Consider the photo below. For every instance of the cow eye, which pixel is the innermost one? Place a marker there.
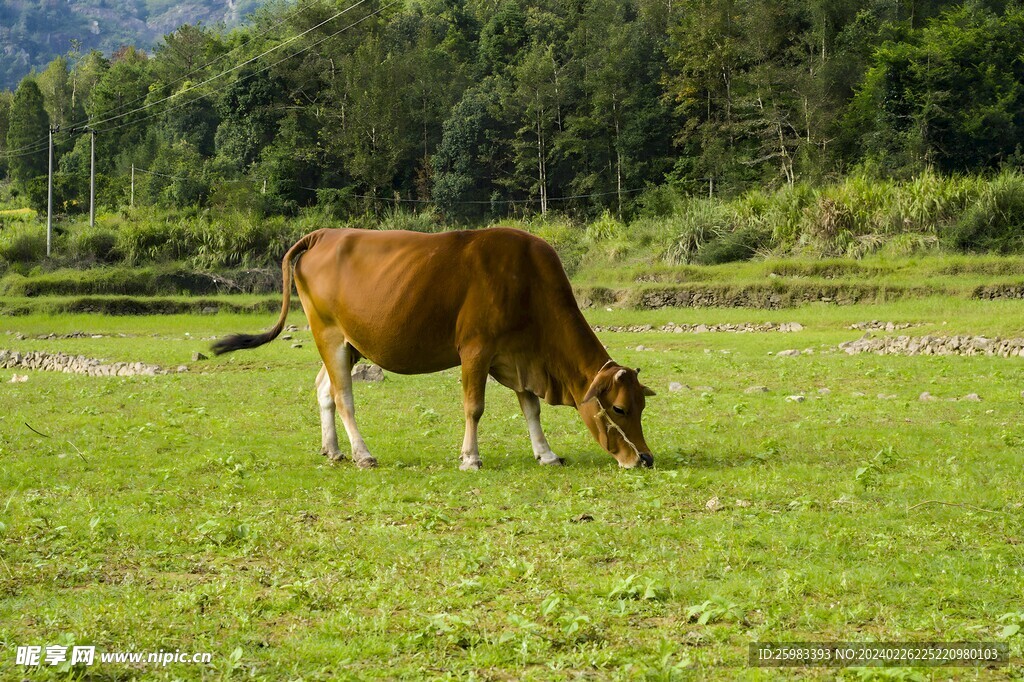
(618, 410)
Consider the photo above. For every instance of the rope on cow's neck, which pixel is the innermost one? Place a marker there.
(604, 413)
(611, 424)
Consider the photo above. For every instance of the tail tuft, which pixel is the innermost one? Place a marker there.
(239, 342)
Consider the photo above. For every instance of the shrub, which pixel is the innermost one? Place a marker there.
(86, 245)
(23, 243)
(702, 222)
(995, 220)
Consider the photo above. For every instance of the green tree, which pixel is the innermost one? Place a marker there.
(27, 135)
(6, 98)
(952, 97)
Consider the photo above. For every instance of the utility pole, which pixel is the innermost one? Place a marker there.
(49, 195)
(92, 177)
(132, 204)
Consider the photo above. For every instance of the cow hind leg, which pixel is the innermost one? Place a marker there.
(328, 428)
(339, 368)
(530, 404)
(474, 385)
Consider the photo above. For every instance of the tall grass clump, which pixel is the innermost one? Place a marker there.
(709, 232)
(23, 243)
(994, 221)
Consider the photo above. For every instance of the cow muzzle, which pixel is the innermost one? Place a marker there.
(646, 459)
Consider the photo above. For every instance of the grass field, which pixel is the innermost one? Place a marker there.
(193, 512)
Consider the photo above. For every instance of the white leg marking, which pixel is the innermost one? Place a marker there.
(328, 430)
(531, 410)
(346, 405)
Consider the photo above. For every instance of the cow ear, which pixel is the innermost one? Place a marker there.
(638, 371)
(618, 375)
(599, 386)
(647, 391)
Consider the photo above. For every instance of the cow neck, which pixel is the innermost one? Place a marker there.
(587, 369)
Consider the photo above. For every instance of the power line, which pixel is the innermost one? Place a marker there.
(219, 58)
(481, 202)
(222, 73)
(42, 143)
(258, 71)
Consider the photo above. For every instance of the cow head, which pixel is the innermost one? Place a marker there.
(611, 409)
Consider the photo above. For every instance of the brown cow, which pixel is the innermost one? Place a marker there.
(494, 301)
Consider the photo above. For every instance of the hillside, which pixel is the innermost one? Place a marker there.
(33, 33)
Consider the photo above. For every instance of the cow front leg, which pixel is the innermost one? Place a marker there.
(340, 373)
(474, 384)
(328, 428)
(530, 404)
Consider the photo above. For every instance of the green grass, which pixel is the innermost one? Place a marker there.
(193, 511)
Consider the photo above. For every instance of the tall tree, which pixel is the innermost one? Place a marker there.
(27, 134)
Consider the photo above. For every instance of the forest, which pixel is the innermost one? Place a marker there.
(472, 111)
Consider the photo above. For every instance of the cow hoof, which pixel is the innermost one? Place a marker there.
(556, 462)
(366, 463)
(471, 465)
(334, 456)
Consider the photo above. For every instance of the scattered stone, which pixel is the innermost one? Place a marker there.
(182, 368)
(209, 310)
(704, 389)
(291, 328)
(875, 325)
(824, 391)
(926, 397)
(795, 398)
(582, 518)
(19, 379)
(286, 337)
(74, 364)
(672, 327)
(857, 394)
(791, 353)
(197, 356)
(675, 387)
(713, 504)
(972, 397)
(742, 503)
(296, 345)
(935, 345)
(366, 372)
(886, 396)
(756, 389)
(641, 348)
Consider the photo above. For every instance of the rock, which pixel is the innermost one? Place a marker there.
(704, 389)
(19, 379)
(742, 503)
(791, 353)
(210, 310)
(713, 504)
(926, 397)
(972, 397)
(756, 389)
(675, 387)
(182, 368)
(296, 345)
(795, 398)
(641, 348)
(286, 337)
(885, 396)
(365, 372)
(824, 391)
(197, 356)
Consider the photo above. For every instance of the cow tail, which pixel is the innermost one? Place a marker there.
(244, 341)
